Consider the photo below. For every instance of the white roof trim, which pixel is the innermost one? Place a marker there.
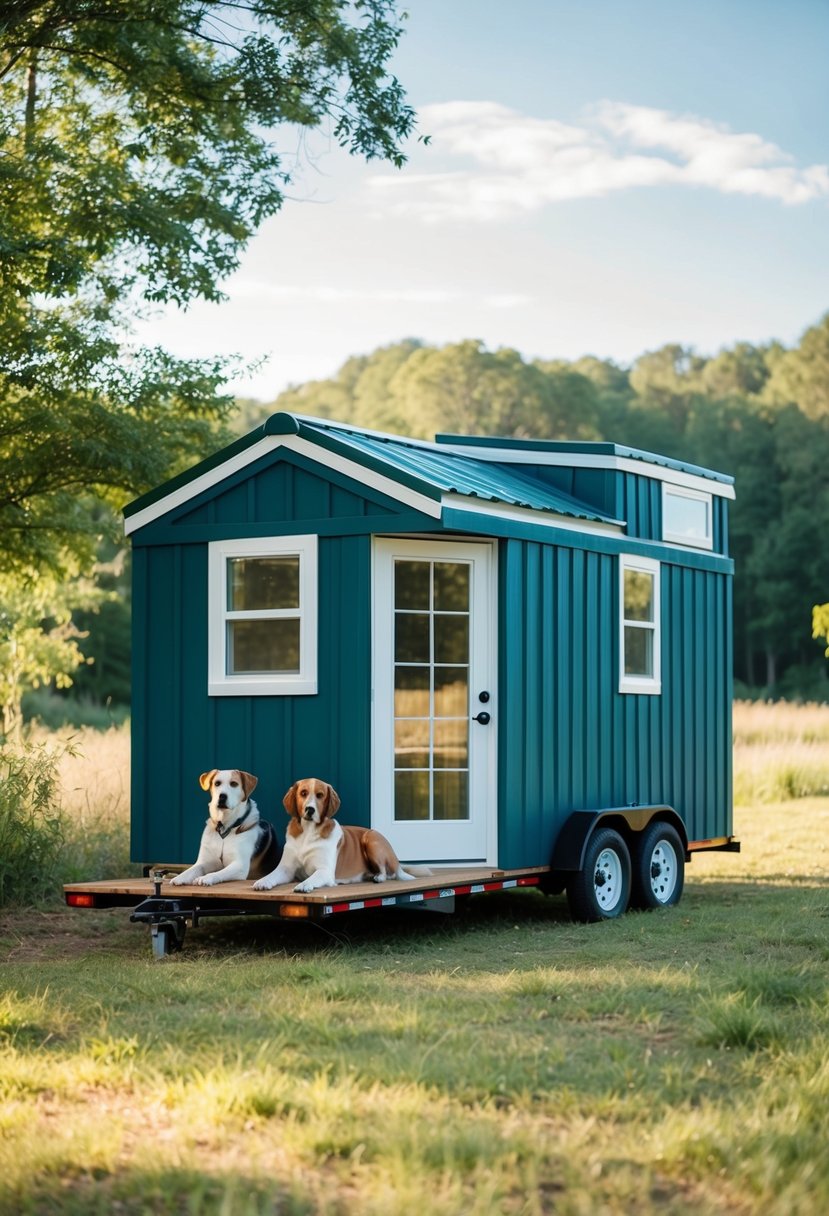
(294, 443)
(533, 515)
(585, 460)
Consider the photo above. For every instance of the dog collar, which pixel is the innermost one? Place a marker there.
(237, 823)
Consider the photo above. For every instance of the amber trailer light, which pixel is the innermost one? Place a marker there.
(80, 899)
(296, 910)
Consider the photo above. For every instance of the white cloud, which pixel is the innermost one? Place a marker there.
(518, 163)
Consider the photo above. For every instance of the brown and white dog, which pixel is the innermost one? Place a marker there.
(322, 852)
(235, 843)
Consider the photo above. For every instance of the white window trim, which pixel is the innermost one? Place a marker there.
(266, 684)
(706, 542)
(651, 685)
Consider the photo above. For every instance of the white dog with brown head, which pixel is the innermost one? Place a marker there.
(235, 843)
(322, 852)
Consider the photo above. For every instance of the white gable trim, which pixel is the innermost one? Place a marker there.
(585, 460)
(302, 447)
(533, 515)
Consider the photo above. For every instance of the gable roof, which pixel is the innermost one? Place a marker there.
(417, 472)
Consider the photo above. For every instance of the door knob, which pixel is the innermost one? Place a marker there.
(483, 717)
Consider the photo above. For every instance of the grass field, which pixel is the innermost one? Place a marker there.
(505, 1061)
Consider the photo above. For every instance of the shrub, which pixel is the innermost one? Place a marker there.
(31, 824)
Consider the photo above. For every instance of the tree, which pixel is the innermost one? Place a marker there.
(38, 639)
(466, 389)
(138, 159)
(820, 624)
(801, 375)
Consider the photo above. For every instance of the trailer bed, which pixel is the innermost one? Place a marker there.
(167, 908)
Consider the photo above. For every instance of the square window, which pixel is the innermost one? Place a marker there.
(687, 517)
(262, 616)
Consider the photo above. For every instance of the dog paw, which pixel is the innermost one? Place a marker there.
(262, 884)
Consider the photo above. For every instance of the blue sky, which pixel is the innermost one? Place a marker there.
(603, 177)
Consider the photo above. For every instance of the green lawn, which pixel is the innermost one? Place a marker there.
(505, 1060)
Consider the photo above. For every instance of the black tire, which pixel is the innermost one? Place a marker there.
(601, 891)
(658, 867)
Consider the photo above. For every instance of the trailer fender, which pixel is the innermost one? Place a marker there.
(571, 843)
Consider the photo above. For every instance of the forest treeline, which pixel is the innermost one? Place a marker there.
(760, 413)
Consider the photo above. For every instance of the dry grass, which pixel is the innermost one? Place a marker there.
(781, 751)
(94, 776)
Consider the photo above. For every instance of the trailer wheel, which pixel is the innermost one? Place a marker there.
(658, 867)
(601, 890)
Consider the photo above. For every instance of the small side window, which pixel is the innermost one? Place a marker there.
(263, 617)
(687, 517)
(639, 626)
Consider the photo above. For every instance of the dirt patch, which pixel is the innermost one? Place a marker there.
(37, 935)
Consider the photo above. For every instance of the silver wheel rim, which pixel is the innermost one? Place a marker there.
(608, 879)
(664, 871)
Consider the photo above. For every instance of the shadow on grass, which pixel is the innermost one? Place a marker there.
(166, 1192)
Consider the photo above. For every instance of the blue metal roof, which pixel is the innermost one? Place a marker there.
(427, 465)
(583, 448)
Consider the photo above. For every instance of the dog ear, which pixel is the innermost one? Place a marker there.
(333, 800)
(249, 783)
(289, 801)
(206, 778)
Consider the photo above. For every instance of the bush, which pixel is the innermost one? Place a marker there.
(31, 825)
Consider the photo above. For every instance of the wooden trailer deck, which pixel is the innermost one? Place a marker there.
(167, 908)
(467, 880)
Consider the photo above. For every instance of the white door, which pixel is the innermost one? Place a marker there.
(435, 661)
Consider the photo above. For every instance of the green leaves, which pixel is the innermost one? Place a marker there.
(138, 156)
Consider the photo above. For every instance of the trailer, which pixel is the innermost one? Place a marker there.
(512, 657)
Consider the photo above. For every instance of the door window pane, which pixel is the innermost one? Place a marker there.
(451, 587)
(411, 795)
(411, 637)
(263, 646)
(451, 691)
(451, 639)
(451, 743)
(412, 585)
(451, 799)
(411, 743)
(411, 692)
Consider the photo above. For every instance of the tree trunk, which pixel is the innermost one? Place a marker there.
(771, 668)
(31, 99)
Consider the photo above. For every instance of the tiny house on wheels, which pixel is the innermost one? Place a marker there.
(512, 657)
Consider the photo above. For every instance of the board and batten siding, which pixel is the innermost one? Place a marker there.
(585, 745)
(180, 732)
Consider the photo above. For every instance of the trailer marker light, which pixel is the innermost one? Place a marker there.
(80, 899)
(296, 910)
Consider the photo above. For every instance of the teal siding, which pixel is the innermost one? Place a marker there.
(179, 732)
(569, 740)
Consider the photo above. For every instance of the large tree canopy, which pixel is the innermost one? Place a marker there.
(137, 157)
